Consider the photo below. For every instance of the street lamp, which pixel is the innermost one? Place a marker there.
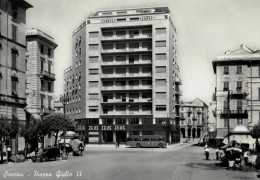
(64, 99)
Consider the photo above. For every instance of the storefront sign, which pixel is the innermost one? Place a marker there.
(107, 128)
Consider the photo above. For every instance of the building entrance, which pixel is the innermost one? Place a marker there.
(107, 136)
(121, 136)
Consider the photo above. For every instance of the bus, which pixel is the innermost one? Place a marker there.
(146, 141)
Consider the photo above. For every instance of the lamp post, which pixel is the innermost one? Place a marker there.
(64, 99)
(228, 112)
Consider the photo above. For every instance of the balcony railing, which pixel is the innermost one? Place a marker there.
(149, 48)
(114, 75)
(234, 113)
(140, 87)
(127, 36)
(12, 100)
(178, 81)
(48, 75)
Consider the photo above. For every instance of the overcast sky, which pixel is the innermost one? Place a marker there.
(205, 29)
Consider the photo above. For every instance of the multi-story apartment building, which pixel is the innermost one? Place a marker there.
(40, 75)
(124, 79)
(237, 90)
(12, 62)
(194, 119)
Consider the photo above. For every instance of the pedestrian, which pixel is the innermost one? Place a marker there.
(81, 148)
(246, 157)
(217, 153)
(118, 142)
(115, 144)
(206, 149)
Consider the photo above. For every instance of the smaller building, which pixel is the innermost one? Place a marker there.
(58, 107)
(194, 119)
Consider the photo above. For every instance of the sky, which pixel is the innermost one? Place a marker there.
(205, 29)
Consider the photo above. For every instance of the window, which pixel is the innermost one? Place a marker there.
(93, 46)
(160, 56)
(107, 121)
(42, 65)
(160, 43)
(161, 121)
(93, 59)
(160, 95)
(14, 58)
(93, 108)
(107, 33)
(134, 19)
(14, 32)
(239, 69)
(93, 71)
(49, 66)
(93, 121)
(239, 121)
(225, 122)
(121, 46)
(147, 121)
(49, 87)
(160, 82)
(226, 86)
(93, 96)
(121, 33)
(42, 49)
(160, 108)
(14, 86)
(160, 69)
(226, 69)
(93, 84)
(133, 120)
(79, 98)
(160, 30)
(93, 34)
(26, 64)
(239, 105)
(239, 86)
(14, 12)
(121, 19)
(120, 121)
(49, 102)
(147, 133)
(49, 52)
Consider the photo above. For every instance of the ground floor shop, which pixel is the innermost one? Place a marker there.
(101, 134)
(192, 132)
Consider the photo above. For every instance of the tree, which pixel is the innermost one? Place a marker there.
(56, 122)
(256, 131)
(8, 129)
(30, 131)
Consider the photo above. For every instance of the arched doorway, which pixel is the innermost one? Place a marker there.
(194, 132)
(189, 132)
(198, 132)
(183, 132)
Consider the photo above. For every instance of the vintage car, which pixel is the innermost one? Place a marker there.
(47, 154)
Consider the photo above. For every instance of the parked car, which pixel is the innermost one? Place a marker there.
(47, 154)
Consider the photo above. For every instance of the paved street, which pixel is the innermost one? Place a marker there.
(178, 162)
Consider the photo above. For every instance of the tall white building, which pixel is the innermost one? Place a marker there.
(124, 79)
(237, 90)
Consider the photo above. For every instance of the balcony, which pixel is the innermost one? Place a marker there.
(127, 113)
(234, 114)
(238, 94)
(12, 100)
(178, 81)
(47, 75)
(126, 37)
(127, 101)
(126, 63)
(118, 88)
(178, 92)
(126, 75)
(126, 50)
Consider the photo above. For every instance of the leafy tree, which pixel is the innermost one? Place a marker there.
(30, 131)
(8, 129)
(56, 122)
(256, 131)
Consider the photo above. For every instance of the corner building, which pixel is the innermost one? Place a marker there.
(237, 74)
(40, 75)
(124, 79)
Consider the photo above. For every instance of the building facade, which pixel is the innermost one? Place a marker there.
(237, 90)
(124, 79)
(194, 119)
(12, 62)
(40, 75)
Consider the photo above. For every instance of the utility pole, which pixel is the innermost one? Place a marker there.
(228, 111)
(64, 99)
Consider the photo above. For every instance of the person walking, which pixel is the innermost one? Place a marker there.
(217, 153)
(118, 142)
(206, 149)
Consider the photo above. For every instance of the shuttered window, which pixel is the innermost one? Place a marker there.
(93, 96)
(93, 83)
(160, 56)
(93, 34)
(160, 30)
(93, 71)
(160, 95)
(160, 69)
(160, 82)
(160, 43)
(93, 47)
(93, 59)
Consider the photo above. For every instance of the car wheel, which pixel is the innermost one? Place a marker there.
(44, 159)
(138, 145)
(160, 145)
